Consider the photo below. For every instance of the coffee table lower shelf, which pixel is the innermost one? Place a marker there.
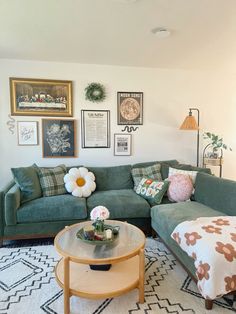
(84, 282)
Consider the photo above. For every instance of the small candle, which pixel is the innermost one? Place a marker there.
(108, 234)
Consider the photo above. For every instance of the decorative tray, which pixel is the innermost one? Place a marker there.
(115, 235)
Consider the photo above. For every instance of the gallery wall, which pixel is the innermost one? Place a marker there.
(167, 96)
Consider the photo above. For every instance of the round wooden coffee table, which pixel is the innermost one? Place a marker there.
(126, 255)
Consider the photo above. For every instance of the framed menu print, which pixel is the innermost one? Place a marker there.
(95, 128)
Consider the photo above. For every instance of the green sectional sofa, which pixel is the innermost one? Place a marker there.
(46, 216)
(213, 197)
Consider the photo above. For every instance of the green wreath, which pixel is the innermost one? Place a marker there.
(95, 92)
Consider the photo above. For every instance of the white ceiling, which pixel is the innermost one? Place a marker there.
(118, 32)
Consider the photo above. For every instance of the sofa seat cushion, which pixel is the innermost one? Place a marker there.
(168, 216)
(121, 203)
(53, 208)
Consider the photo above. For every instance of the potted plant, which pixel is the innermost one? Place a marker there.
(216, 144)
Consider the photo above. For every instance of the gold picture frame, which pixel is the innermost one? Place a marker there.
(39, 97)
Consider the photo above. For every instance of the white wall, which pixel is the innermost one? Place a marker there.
(167, 96)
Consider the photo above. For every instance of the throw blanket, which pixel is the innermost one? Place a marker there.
(211, 242)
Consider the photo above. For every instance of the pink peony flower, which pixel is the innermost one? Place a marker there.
(99, 213)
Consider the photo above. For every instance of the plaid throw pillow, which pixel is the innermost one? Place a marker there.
(152, 172)
(52, 180)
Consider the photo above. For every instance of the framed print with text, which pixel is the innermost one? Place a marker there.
(27, 133)
(122, 144)
(130, 108)
(95, 128)
(58, 138)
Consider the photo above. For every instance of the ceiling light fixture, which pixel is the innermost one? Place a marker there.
(125, 1)
(161, 32)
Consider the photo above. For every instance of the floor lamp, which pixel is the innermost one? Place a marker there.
(190, 124)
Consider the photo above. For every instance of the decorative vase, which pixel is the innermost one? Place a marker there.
(99, 226)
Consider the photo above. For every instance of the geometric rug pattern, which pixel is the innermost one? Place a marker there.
(28, 286)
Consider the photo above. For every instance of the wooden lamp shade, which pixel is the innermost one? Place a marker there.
(189, 123)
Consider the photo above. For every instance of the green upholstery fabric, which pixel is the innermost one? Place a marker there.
(150, 163)
(28, 181)
(2, 205)
(166, 217)
(170, 163)
(174, 247)
(165, 169)
(170, 215)
(112, 178)
(12, 203)
(54, 208)
(37, 228)
(52, 228)
(217, 193)
(165, 200)
(121, 203)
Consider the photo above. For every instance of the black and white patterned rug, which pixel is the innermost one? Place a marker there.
(28, 285)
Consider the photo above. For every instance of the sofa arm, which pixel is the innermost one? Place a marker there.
(2, 198)
(12, 203)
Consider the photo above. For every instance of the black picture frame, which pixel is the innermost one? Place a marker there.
(58, 138)
(129, 108)
(95, 128)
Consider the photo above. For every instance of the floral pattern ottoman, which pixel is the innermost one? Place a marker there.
(211, 242)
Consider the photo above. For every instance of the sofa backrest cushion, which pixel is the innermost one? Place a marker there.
(150, 163)
(112, 178)
(28, 182)
(217, 193)
(165, 169)
(168, 163)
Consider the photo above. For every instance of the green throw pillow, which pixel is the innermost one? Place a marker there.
(152, 172)
(52, 180)
(28, 181)
(152, 191)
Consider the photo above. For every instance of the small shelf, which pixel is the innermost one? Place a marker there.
(212, 161)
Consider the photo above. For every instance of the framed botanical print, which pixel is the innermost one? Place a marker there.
(37, 97)
(27, 132)
(95, 128)
(122, 144)
(130, 108)
(58, 138)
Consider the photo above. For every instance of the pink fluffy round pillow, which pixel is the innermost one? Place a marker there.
(180, 188)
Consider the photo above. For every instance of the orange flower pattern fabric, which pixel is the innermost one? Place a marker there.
(191, 238)
(233, 236)
(221, 222)
(212, 229)
(177, 237)
(211, 242)
(230, 283)
(227, 249)
(202, 271)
